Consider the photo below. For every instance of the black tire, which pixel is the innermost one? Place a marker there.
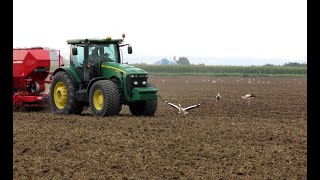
(62, 96)
(33, 109)
(144, 108)
(104, 98)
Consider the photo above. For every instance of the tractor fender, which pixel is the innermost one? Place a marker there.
(92, 81)
(97, 79)
(74, 79)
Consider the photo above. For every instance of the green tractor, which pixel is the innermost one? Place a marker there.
(96, 77)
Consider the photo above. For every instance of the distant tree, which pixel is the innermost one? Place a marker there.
(164, 61)
(294, 64)
(268, 65)
(183, 61)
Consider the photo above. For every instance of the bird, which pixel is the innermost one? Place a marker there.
(248, 97)
(181, 110)
(218, 97)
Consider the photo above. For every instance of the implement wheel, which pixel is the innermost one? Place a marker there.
(62, 95)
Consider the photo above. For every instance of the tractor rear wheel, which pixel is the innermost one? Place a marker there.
(63, 95)
(144, 108)
(104, 98)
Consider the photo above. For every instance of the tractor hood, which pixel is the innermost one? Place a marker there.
(124, 68)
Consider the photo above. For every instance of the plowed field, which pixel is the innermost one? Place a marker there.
(227, 140)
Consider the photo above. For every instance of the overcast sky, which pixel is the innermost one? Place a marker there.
(219, 28)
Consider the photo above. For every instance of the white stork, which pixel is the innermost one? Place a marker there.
(181, 110)
(248, 97)
(218, 97)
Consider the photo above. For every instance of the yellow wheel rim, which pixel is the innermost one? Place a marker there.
(98, 99)
(60, 95)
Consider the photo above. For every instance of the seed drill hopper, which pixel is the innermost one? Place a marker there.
(32, 70)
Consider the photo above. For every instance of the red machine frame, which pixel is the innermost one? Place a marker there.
(31, 71)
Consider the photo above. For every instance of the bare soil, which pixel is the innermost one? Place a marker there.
(228, 140)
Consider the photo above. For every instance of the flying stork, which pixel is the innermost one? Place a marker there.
(182, 110)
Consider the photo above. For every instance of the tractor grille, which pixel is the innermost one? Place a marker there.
(136, 80)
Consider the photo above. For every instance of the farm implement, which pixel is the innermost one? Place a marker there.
(31, 72)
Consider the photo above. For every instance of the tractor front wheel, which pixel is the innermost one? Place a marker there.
(144, 108)
(104, 98)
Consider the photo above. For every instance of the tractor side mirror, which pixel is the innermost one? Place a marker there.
(74, 51)
(129, 49)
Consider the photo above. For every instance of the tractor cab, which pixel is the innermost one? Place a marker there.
(87, 55)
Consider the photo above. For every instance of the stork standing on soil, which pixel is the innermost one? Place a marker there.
(248, 97)
(218, 97)
(182, 111)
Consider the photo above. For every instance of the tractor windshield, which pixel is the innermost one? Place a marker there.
(96, 53)
(103, 52)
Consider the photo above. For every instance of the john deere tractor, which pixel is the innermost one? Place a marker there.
(98, 78)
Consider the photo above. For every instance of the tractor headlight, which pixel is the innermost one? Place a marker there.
(138, 80)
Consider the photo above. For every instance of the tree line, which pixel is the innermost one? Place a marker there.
(185, 61)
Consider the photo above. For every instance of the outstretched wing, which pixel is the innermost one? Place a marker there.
(191, 107)
(171, 104)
